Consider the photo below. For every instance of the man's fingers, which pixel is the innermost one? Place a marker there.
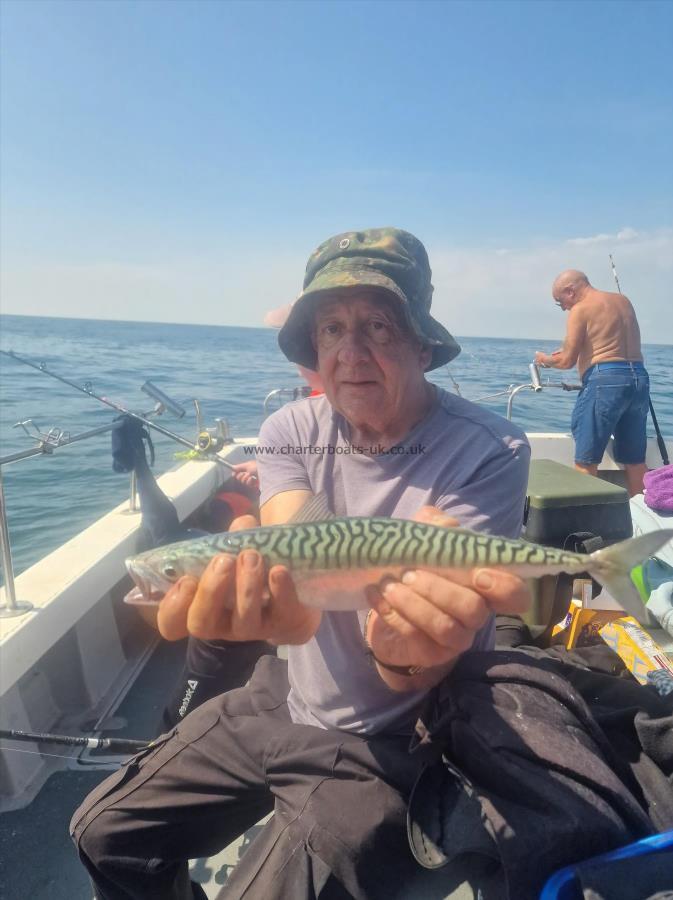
(458, 600)
(398, 641)
(210, 612)
(429, 616)
(504, 592)
(246, 473)
(388, 612)
(249, 479)
(174, 608)
(246, 621)
(288, 619)
(282, 586)
(440, 622)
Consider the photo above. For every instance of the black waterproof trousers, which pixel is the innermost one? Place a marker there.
(339, 803)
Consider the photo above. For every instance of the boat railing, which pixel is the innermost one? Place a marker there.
(296, 393)
(536, 384)
(45, 445)
(209, 441)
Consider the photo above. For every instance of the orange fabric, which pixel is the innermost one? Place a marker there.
(239, 503)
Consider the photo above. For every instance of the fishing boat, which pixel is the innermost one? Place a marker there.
(76, 660)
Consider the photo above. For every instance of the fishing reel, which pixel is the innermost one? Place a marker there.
(209, 441)
(212, 440)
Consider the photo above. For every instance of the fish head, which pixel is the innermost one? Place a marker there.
(156, 571)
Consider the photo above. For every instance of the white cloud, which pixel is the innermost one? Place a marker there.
(626, 234)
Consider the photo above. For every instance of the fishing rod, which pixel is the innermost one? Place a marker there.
(614, 272)
(122, 745)
(660, 439)
(88, 390)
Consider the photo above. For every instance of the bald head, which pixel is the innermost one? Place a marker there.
(570, 278)
(569, 287)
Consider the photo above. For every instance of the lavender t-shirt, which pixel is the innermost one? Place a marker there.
(465, 460)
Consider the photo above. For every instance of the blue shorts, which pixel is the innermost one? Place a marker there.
(614, 401)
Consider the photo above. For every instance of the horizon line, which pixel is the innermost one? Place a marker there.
(261, 327)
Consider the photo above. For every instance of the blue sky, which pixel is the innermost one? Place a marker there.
(178, 161)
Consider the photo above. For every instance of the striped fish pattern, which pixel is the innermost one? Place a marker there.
(333, 560)
(365, 542)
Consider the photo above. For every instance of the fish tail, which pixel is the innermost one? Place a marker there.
(612, 565)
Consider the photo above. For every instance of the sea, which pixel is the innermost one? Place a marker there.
(230, 371)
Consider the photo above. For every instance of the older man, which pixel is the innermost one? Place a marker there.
(603, 339)
(322, 740)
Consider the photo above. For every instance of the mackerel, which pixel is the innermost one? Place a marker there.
(332, 560)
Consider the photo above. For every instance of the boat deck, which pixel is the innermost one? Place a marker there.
(59, 874)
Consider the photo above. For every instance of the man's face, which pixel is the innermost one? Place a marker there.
(564, 297)
(371, 368)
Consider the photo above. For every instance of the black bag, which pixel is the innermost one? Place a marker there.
(521, 778)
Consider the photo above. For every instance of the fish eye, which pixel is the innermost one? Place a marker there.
(170, 572)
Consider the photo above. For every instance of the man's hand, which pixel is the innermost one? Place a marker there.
(236, 600)
(428, 619)
(541, 359)
(246, 473)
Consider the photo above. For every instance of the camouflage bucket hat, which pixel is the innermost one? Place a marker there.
(386, 258)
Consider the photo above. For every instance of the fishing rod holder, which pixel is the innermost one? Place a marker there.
(535, 377)
(46, 440)
(163, 399)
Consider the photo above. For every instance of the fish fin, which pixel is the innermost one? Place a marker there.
(612, 565)
(314, 510)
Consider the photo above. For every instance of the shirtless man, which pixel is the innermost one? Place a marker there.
(603, 339)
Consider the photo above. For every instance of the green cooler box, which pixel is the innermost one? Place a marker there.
(562, 501)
